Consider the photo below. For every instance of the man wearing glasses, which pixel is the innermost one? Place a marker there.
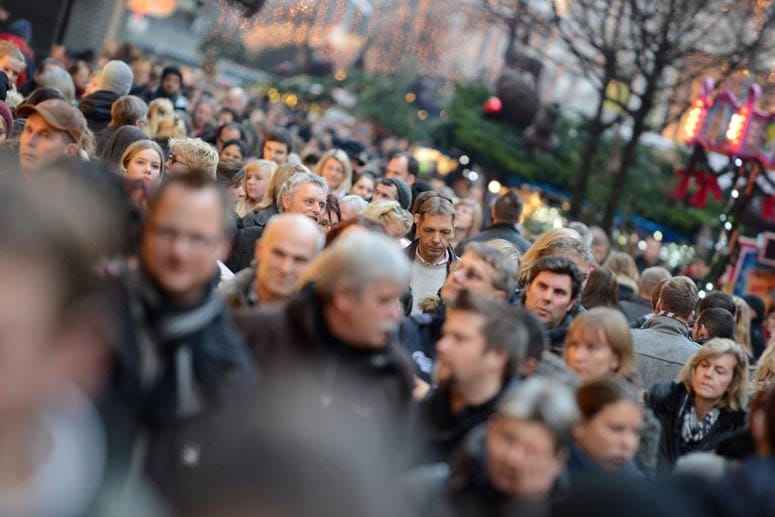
(181, 359)
(191, 155)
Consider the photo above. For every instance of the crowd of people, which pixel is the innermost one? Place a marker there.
(214, 304)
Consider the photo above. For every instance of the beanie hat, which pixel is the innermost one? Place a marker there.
(404, 192)
(171, 70)
(22, 28)
(116, 77)
(5, 113)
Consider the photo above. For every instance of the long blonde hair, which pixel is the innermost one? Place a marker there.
(743, 324)
(764, 375)
(159, 110)
(736, 396)
(245, 205)
(344, 160)
(272, 192)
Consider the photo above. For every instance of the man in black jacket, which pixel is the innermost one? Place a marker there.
(506, 213)
(483, 345)
(334, 342)
(180, 359)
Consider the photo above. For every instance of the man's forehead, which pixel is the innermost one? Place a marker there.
(471, 258)
(439, 221)
(36, 121)
(554, 279)
(399, 162)
(310, 189)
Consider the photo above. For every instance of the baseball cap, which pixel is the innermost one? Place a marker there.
(58, 114)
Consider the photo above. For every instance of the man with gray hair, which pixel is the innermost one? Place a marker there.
(639, 307)
(493, 471)
(303, 193)
(289, 243)
(335, 339)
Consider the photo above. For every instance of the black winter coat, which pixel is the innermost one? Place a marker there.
(96, 109)
(666, 401)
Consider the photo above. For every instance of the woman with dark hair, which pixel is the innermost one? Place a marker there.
(608, 435)
(117, 145)
(331, 214)
(601, 290)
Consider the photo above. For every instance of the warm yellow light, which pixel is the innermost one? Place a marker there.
(340, 75)
(410, 97)
(494, 186)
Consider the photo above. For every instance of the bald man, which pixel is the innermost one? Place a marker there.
(288, 244)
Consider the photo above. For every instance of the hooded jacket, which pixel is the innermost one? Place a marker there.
(96, 109)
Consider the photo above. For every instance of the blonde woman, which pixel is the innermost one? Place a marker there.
(468, 220)
(706, 405)
(599, 344)
(159, 110)
(334, 167)
(397, 221)
(622, 265)
(558, 241)
(257, 175)
(764, 375)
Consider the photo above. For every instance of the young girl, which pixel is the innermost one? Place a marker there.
(142, 164)
(256, 178)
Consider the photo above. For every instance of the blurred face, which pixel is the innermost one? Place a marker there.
(395, 230)
(435, 232)
(521, 457)
(473, 273)
(462, 350)
(181, 241)
(27, 340)
(611, 438)
(333, 173)
(81, 77)
(399, 168)
(231, 153)
(176, 164)
(548, 297)
(255, 185)
(364, 187)
(599, 251)
(282, 254)
(712, 377)
(389, 192)
(275, 151)
(171, 84)
(12, 68)
(464, 216)
(203, 114)
(144, 165)
(226, 135)
(236, 193)
(308, 199)
(587, 354)
(371, 315)
(41, 144)
(327, 220)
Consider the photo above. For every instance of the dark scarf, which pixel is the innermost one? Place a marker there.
(186, 354)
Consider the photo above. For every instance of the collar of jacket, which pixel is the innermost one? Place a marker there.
(305, 315)
(411, 253)
(667, 325)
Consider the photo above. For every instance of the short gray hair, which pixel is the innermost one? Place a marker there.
(552, 404)
(357, 202)
(299, 178)
(57, 77)
(355, 261)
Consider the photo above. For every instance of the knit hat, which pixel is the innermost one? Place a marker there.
(116, 77)
(5, 113)
(404, 192)
(22, 28)
(171, 70)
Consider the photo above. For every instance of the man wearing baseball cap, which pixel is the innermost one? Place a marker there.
(53, 131)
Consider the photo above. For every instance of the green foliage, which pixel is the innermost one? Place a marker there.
(499, 149)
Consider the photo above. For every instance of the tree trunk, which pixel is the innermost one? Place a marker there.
(590, 151)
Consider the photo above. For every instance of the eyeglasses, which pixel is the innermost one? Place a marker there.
(169, 235)
(174, 159)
